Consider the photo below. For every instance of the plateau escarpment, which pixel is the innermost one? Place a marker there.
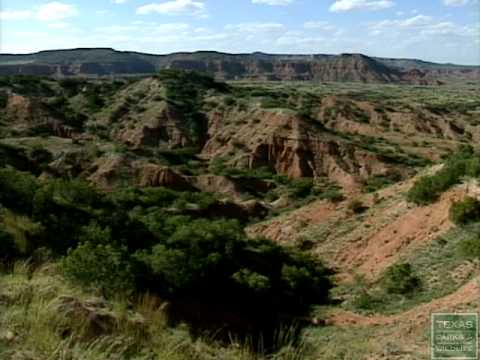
(256, 66)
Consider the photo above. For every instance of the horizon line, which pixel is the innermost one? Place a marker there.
(233, 54)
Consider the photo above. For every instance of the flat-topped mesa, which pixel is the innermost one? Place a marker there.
(255, 66)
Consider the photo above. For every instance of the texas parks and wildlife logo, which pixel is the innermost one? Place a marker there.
(454, 336)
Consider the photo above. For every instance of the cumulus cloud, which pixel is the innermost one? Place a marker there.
(52, 11)
(349, 5)
(55, 10)
(273, 2)
(420, 26)
(174, 7)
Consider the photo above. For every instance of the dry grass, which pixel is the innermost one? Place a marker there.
(42, 317)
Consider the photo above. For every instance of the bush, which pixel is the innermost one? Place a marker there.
(463, 212)
(17, 189)
(400, 279)
(63, 207)
(3, 99)
(300, 188)
(333, 195)
(423, 191)
(429, 188)
(356, 207)
(214, 261)
(229, 101)
(101, 267)
(195, 254)
(185, 91)
(366, 301)
(375, 183)
(470, 248)
(8, 249)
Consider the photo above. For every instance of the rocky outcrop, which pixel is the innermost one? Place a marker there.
(295, 147)
(28, 115)
(112, 170)
(153, 175)
(163, 128)
(233, 187)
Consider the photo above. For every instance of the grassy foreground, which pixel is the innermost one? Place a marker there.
(43, 317)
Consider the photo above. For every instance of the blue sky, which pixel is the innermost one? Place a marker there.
(435, 30)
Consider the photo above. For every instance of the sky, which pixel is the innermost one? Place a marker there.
(433, 30)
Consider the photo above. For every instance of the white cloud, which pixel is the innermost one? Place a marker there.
(174, 7)
(420, 27)
(58, 25)
(455, 2)
(52, 11)
(318, 25)
(16, 14)
(273, 2)
(119, 1)
(348, 5)
(256, 27)
(55, 10)
(412, 23)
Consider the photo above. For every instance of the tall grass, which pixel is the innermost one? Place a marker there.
(51, 320)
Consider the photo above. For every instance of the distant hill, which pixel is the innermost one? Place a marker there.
(256, 66)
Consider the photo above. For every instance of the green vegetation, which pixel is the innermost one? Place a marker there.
(28, 85)
(130, 242)
(184, 91)
(466, 211)
(3, 99)
(433, 274)
(375, 183)
(356, 207)
(400, 279)
(429, 188)
(46, 317)
(100, 267)
(470, 248)
(348, 110)
(153, 273)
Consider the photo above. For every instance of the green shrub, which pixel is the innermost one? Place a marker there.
(366, 301)
(17, 189)
(300, 188)
(101, 267)
(463, 212)
(229, 101)
(63, 207)
(423, 191)
(470, 248)
(333, 195)
(195, 253)
(8, 249)
(95, 234)
(185, 90)
(375, 183)
(214, 260)
(400, 279)
(356, 206)
(3, 99)
(428, 188)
